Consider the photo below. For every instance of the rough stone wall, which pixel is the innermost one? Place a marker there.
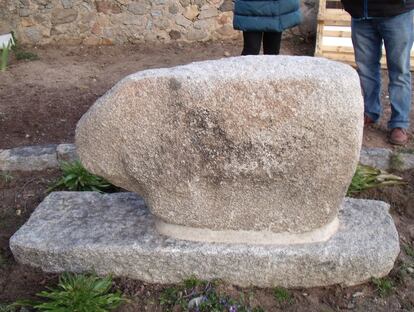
(119, 21)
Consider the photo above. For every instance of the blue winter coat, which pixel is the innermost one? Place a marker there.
(266, 15)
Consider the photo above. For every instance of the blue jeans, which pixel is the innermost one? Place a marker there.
(367, 36)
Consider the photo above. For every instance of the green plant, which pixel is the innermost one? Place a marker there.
(7, 308)
(396, 161)
(193, 282)
(282, 295)
(384, 286)
(76, 178)
(6, 176)
(25, 55)
(201, 296)
(20, 53)
(367, 177)
(170, 297)
(409, 251)
(78, 293)
(5, 49)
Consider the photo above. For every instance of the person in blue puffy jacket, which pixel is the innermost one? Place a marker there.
(264, 20)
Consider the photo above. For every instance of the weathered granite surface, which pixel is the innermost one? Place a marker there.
(257, 143)
(37, 157)
(29, 158)
(114, 234)
(376, 157)
(66, 152)
(407, 161)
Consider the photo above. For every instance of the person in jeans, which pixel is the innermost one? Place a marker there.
(391, 22)
(264, 20)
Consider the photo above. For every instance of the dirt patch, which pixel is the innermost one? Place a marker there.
(20, 193)
(41, 102)
(25, 191)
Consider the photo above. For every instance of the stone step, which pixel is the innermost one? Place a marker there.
(115, 234)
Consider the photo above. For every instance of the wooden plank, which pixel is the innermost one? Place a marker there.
(340, 46)
(339, 49)
(338, 34)
(322, 7)
(350, 58)
(334, 42)
(319, 38)
(334, 15)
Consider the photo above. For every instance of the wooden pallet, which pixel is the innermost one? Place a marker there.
(333, 39)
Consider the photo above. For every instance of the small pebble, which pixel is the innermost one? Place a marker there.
(410, 270)
(358, 294)
(227, 53)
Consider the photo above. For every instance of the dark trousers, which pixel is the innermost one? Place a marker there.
(253, 41)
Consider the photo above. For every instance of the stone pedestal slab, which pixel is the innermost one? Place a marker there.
(115, 234)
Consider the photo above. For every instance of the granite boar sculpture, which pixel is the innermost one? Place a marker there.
(257, 148)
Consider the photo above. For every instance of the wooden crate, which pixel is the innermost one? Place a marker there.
(333, 39)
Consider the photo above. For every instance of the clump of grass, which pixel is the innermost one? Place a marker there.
(80, 293)
(396, 161)
(201, 296)
(76, 178)
(5, 176)
(384, 286)
(7, 308)
(4, 58)
(282, 295)
(409, 251)
(367, 177)
(20, 53)
(25, 55)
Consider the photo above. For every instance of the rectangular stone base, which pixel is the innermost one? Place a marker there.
(115, 234)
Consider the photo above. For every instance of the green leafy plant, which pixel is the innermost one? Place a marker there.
(282, 295)
(193, 282)
(384, 286)
(171, 296)
(78, 293)
(5, 49)
(367, 177)
(76, 178)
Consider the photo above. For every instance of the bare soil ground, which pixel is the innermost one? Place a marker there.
(21, 195)
(41, 102)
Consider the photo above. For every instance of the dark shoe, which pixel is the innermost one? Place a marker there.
(368, 120)
(398, 136)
